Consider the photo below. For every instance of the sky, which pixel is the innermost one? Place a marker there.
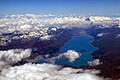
(87, 7)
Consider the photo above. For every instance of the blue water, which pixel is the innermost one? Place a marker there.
(81, 44)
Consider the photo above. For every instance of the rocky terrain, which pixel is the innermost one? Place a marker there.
(108, 41)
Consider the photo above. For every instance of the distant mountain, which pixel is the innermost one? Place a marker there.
(31, 25)
(87, 19)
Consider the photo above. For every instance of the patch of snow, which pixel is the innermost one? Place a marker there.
(47, 37)
(118, 36)
(102, 34)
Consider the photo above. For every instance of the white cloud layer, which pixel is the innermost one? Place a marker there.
(70, 54)
(31, 25)
(12, 56)
(46, 72)
(31, 22)
(43, 71)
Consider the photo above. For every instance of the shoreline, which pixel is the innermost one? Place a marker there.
(108, 52)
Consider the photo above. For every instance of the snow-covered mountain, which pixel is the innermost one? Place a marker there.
(31, 25)
(40, 23)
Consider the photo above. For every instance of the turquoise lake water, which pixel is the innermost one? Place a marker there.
(81, 44)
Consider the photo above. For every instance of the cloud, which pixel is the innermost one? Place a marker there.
(94, 62)
(70, 54)
(31, 25)
(12, 56)
(32, 22)
(46, 72)
(100, 18)
(42, 71)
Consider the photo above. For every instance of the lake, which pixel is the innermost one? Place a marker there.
(81, 44)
